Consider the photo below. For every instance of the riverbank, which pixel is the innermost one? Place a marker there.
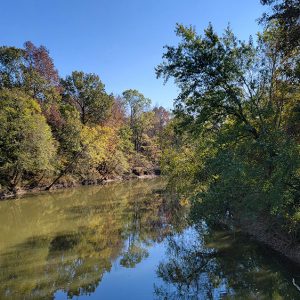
(70, 184)
(268, 233)
(264, 231)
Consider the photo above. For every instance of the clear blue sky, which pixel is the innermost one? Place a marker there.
(122, 41)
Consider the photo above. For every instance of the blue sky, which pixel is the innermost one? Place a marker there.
(121, 41)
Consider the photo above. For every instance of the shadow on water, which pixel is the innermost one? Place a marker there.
(68, 241)
(207, 263)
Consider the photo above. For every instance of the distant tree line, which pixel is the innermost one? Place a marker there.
(70, 130)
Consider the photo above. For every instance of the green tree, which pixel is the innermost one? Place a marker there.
(31, 69)
(27, 146)
(286, 14)
(86, 92)
(137, 104)
(11, 67)
(236, 102)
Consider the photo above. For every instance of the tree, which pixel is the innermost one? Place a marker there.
(214, 76)
(38, 60)
(286, 14)
(137, 104)
(41, 79)
(30, 68)
(235, 106)
(26, 143)
(117, 117)
(161, 119)
(86, 92)
(11, 67)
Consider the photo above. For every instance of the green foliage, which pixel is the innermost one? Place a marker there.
(63, 131)
(31, 69)
(86, 92)
(11, 71)
(286, 14)
(237, 147)
(69, 132)
(26, 146)
(137, 104)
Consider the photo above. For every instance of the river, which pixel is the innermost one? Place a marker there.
(129, 241)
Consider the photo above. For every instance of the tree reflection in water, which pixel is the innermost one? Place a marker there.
(68, 240)
(216, 264)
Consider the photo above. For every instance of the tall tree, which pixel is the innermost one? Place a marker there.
(87, 93)
(11, 67)
(30, 68)
(26, 143)
(117, 116)
(214, 76)
(39, 60)
(160, 120)
(137, 104)
(286, 13)
(237, 100)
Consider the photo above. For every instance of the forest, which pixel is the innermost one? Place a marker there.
(230, 147)
(64, 131)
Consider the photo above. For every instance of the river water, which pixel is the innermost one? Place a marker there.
(129, 241)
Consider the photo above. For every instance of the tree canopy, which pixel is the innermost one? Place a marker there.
(86, 92)
(59, 131)
(234, 142)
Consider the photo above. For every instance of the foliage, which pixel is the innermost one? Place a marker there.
(64, 131)
(86, 92)
(31, 69)
(11, 70)
(137, 104)
(236, 119)
(26, 146)
(286, 13)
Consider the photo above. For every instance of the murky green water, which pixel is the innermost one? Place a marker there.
(128, 241)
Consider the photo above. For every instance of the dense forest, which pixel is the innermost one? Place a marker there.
(63, 131)
(234, 141)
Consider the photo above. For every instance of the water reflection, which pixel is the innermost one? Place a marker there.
(128, 241)
(66, 241)
(215, 264)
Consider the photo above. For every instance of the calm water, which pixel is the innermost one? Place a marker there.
(128, 241)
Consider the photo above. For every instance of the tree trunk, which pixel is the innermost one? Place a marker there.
(65, 170)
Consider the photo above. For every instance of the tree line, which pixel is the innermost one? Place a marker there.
(234, 140)
(70, 130)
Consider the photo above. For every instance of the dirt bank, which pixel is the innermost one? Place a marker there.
(71, 184)
(266, 231)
